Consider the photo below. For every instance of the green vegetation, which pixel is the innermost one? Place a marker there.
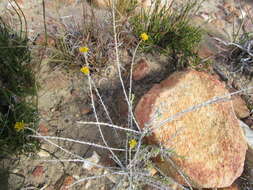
(17, 91)
(169, 30)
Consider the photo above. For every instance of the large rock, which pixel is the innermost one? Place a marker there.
(208, 143)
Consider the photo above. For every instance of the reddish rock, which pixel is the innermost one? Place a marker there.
(209, 144)
(38, 171)
(43, 130)
(67, 181)
(84, 109)
(141, 69)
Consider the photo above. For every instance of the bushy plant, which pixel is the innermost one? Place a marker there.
(170, 31)
(17, 91)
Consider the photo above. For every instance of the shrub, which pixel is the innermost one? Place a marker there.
(169, 30)
(17, 91)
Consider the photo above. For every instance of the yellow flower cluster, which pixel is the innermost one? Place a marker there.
(144, 36)
(85, 70)
(132, 143)
(83, 49)
(19, 126)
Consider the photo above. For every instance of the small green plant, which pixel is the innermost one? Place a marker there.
(17, 92)
(169, 30)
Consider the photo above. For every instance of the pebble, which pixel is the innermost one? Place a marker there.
(38, 171)
(95, 158)
(43, 154)
(43, 130)
(67, 181)
(141, 69)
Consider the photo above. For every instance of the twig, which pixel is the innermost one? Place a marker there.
(118, 63)
(76, 141)
(108, 125)
(96, 116)
(105, 109)
(195, 107)
(130, 116)
(56, 145)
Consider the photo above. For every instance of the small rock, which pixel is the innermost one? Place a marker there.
(84, 110)
(76, 177)
(242, 14)
(43, 130)
(38, 171)
(95, 158)
(152, 171)
(240, 107)
(141, 69)
(43, 154)
(67, 181)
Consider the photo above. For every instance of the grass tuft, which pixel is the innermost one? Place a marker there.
(169, 30)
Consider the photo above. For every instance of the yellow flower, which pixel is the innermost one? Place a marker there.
(19, 126)
(144, 36)
(83, 49)
(132, 143)
(85, 70)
